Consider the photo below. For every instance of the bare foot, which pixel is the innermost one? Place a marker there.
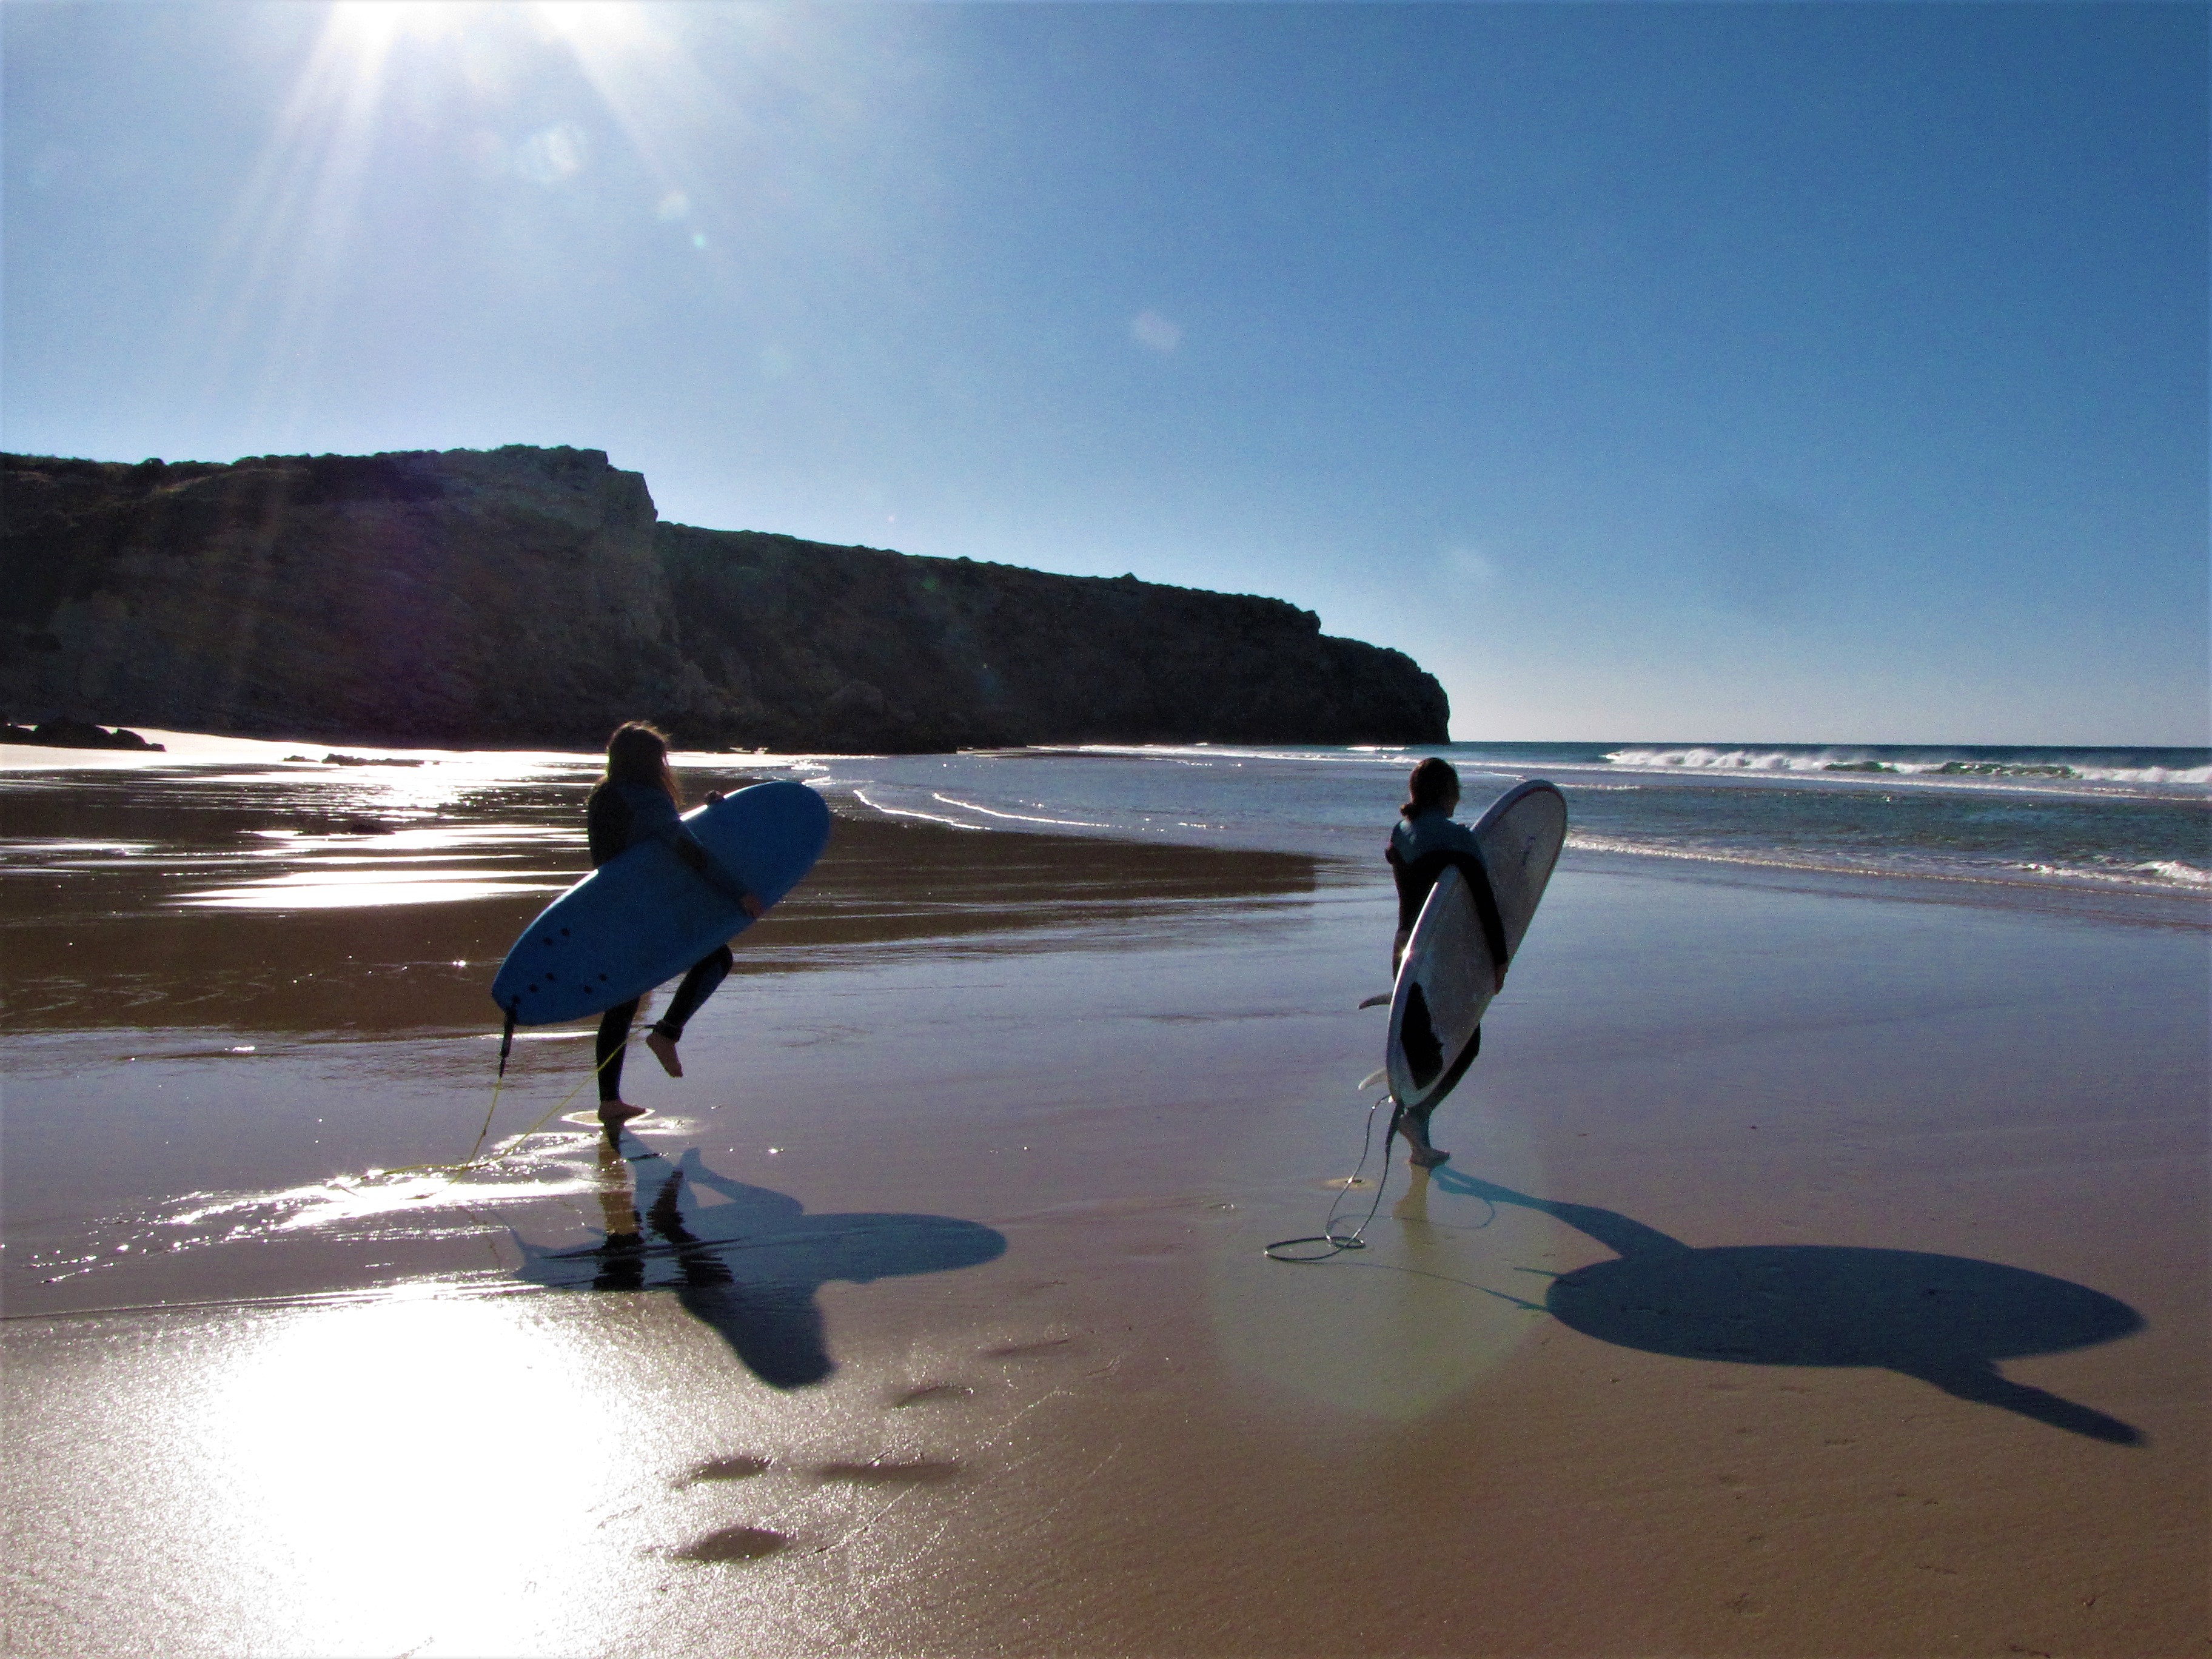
(1413, 1128)
(613, 1114)
(663, 1050)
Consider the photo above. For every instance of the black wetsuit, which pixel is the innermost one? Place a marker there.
(1421, 849)
(611, 825)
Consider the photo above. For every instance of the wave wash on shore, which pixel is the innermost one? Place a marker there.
(2010, 825)
(2039, 822)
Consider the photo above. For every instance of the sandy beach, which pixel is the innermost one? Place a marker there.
(1814, 1273)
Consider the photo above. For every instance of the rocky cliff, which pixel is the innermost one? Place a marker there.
(522, 595)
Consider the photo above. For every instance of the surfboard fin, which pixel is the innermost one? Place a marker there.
(1377, 1002)
(1372, 1078)
(507, 1038)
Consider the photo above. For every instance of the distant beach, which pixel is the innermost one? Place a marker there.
(1821, 1266)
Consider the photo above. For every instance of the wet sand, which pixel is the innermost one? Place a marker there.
(1814, 1273)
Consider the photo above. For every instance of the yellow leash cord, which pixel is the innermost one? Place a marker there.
(457, 1171)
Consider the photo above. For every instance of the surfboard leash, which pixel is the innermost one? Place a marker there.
(507, 1043)
(471, 1161)
(1335, 1242)
(506, 1047)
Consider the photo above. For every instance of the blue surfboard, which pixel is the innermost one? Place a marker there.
(642, 918)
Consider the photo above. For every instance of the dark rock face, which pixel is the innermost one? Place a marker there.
(75, 734)
(439, 599)
(920, 654)
(527, 595)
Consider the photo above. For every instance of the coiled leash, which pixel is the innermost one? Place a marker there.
(1335, 1243)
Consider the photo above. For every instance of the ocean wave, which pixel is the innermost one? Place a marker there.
(2174, 870)
(2155, 875)
(2198, 775)
(861, 796)
(1719, 760)
(1826, 760)
(1018, 817)
(1860, 762)
(2155, 872)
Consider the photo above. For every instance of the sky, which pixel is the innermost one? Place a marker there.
(1732, 371)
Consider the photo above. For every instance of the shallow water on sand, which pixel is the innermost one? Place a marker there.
(362, 899)
(260, 991)
(2026, 825)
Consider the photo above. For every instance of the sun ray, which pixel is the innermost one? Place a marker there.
(261, 318)
(276, 262)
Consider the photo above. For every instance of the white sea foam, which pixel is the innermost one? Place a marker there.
(1730, 760)
(2173, 870)
(1018, 817)
(1850, 761)
(861, 796)
(2198, 775)
(2166, 875)
(1845, 761)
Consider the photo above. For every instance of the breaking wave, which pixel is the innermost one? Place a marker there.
(1915, 764)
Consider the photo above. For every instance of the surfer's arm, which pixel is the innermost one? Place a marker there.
(709, 869)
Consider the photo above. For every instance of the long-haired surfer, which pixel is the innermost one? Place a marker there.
(1425, 840)
(637, 802)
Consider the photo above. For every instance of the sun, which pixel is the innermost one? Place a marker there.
(371, 26)
(282, 258)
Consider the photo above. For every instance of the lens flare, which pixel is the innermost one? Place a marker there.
(374, 25)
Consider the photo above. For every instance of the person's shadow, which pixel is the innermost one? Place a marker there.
(1944, 1319)
(750, 1265)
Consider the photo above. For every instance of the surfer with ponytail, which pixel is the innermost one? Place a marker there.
(636, 802)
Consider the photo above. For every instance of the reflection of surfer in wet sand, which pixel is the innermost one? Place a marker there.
(745, 1260)
(1425, 841)
(637, 802)
(622, 1256)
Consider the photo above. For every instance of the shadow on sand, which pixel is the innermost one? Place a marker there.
(750, 1265)
(1944, 1319)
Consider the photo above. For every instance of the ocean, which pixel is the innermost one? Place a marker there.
(236, 825)
(2116, 820)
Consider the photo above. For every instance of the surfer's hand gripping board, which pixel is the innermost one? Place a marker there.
(645, 916)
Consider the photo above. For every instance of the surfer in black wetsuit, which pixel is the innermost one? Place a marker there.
(1425, 842)
(636, 802)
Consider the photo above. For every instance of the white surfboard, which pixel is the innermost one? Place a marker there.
(1447, 976)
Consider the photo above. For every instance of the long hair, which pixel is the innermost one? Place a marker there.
(638, 753)
(1433, 784)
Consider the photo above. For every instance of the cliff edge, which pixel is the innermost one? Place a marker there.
(531, 596)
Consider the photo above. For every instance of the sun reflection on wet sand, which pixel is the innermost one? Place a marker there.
(333, 890)
(355, 1426)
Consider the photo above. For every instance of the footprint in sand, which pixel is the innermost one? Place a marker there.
(734, 1544)
(932, 1393)
(725, 1468)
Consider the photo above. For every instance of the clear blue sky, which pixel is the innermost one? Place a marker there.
(1738, 371)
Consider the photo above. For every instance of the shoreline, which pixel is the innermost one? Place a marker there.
(2114, 894)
